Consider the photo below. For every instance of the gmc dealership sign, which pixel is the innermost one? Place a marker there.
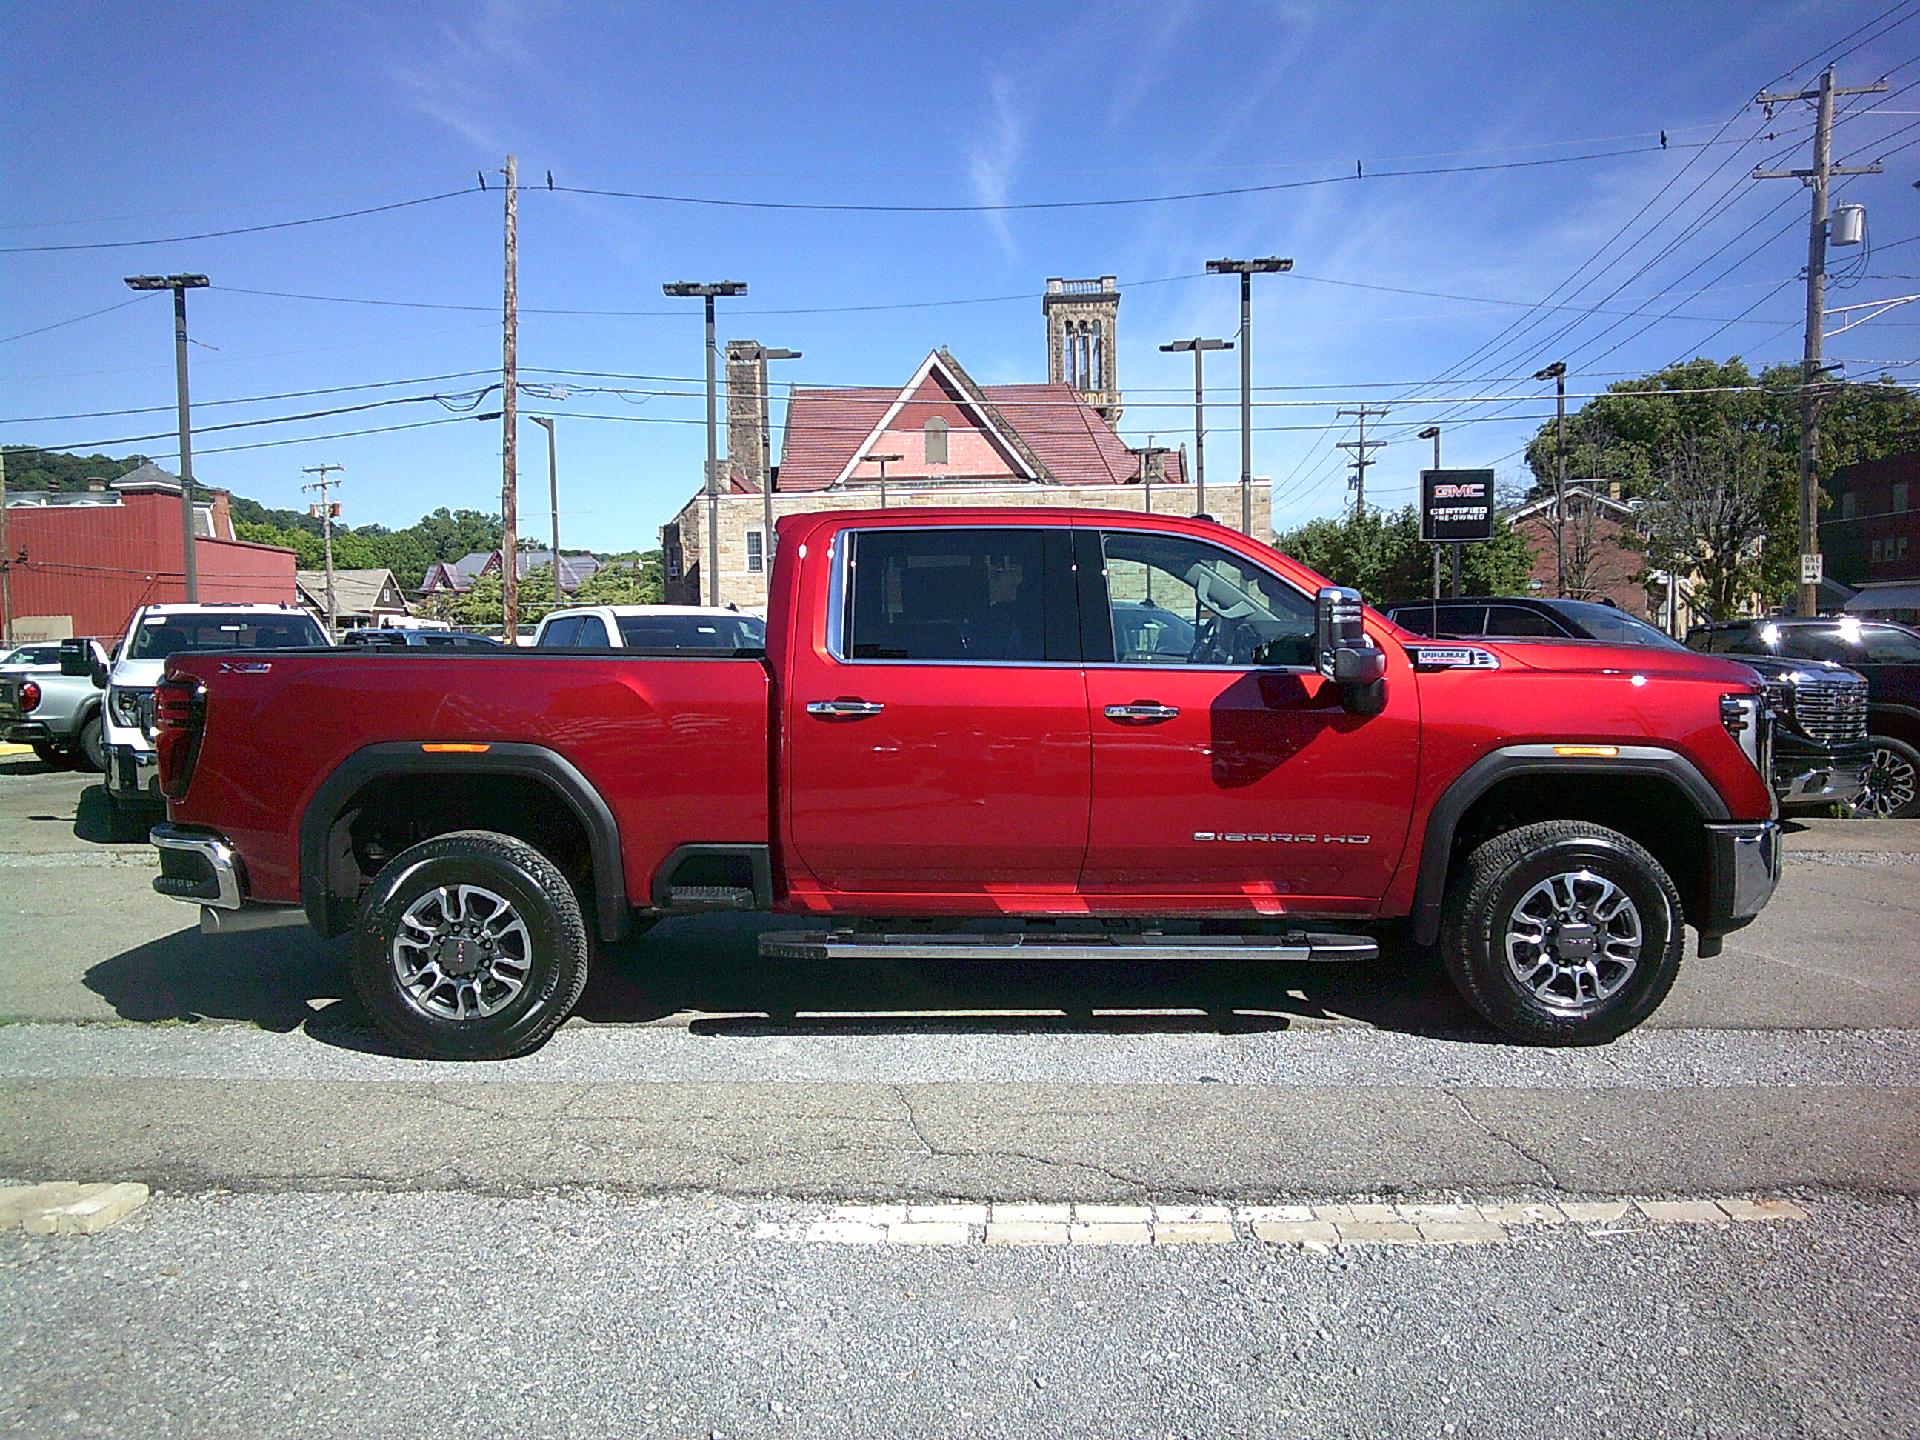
(1456, 505)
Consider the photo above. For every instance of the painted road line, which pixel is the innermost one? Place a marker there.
(1309, 1227)
(66, 1207)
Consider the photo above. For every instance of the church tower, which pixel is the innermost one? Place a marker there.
(1081, 316)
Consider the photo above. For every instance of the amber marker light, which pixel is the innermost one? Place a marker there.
(1595, 752)
(456, 749)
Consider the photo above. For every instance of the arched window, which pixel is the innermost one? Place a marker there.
(936, 433)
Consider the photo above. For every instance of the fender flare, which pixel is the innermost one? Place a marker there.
(1436, 847)
(325, 911)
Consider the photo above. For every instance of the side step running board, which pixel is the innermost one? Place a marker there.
(844, 945)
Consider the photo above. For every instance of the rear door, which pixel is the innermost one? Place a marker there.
(938, 741)
(1227, 776)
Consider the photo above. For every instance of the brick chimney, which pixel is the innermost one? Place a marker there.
(747, 412)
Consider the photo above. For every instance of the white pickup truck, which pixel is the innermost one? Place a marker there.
(157, 632)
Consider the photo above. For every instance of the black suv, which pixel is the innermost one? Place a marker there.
(1887, 654)
(1821, 755)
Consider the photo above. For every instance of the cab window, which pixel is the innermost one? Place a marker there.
(1220, 610)
(561, 633)
(947, 594)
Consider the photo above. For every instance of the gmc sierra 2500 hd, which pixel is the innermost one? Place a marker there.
(1144, 736)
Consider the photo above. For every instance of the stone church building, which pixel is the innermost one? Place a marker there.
(956, 443)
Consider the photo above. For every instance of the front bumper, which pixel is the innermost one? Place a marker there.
(1743, 866)
(1811, 775)
(133, 774)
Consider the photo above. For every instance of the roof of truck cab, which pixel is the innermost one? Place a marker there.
(641, 610)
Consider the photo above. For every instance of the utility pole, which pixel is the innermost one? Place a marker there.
(1557, 372)
(1361, 458)
(707, 293)
(6, 562)
(1816, 179)
(545, 422)
(325, 510)
(179, 285)
(1199, 348)
(510, 416)
(1246, 270)
(883, 461)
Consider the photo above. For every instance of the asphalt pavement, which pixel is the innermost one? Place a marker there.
(577, 1241)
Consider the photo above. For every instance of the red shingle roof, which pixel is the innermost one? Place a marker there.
(827, 428)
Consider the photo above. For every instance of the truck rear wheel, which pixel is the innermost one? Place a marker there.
(1562, 933)
(469, 946)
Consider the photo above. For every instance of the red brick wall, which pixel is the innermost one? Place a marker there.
(1611, 569)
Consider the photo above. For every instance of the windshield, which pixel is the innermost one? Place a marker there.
(1603, 622)
(693, 632)
(159, 636)
(33, 655)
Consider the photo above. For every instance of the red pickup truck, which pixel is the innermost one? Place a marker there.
(1126, 736)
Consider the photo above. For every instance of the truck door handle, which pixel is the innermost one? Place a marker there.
(1143, 710)
(843, 709)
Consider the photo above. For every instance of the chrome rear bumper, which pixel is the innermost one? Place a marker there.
(197, 867)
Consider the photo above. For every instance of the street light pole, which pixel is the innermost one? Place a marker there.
(1246, 270)
(1557, 372)
(1199, 348)
(707, 292)
(545, 422)
(882, 459)
(179, 285)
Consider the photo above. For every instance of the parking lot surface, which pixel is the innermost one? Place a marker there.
(596, 1229)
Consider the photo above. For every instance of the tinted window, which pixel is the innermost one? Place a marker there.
(947, 594)
(692, 632)
(1885, 645)
(1442, 620)
(1603, 622)
(1514, 620)
(159, 636)
(1232, 611)
(365, 638)
(560, 632)
(1814, 642)
(593, 633)
(1851, 643)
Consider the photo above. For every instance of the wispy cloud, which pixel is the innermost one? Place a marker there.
(993, 159)
(460, 77)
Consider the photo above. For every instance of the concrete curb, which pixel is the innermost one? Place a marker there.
(66, 1207)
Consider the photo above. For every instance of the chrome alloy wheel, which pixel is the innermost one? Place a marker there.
(1574, 939)
(1891, 784)
(461, 953)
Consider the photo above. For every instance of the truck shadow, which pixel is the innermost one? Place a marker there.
(709, 967)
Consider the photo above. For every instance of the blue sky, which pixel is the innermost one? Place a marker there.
(149, 120)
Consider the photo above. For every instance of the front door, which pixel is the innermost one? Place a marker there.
(938, 745)
(1227, 776)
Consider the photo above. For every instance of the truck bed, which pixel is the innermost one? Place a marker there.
(676, 743)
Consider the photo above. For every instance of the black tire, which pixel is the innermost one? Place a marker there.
(1893, 782)
(90, 751)
(556, 950)
(56, 756)
(1480, 910)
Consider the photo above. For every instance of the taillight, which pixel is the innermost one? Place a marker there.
(29, 697)
(180, 715)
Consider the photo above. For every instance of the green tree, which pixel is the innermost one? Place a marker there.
(1646, 430)
(1382, 556)
(639, 581)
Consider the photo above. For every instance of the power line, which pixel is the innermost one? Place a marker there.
(91, 314)
(251, 399)
(239, 229)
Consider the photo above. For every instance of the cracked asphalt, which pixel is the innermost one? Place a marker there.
(318, 1199)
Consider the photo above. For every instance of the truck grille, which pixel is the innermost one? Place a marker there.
(1834, 712)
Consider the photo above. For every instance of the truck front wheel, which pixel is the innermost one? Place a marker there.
(1562, 933)
(469, 946)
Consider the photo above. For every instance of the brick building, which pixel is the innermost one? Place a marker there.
(81, 562)
(1602, 561)
(1870, 532)
(958, 442)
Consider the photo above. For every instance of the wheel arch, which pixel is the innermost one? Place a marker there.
(1639, 791)
(328, 875)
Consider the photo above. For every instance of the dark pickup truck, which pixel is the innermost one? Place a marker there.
(1133, 737)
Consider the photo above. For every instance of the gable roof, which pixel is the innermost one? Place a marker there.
(939, 362)
(355, 592)
(1049, 432)
(1577, 491)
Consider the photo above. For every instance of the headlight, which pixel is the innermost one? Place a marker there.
(126, 706)
(1745, 717)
